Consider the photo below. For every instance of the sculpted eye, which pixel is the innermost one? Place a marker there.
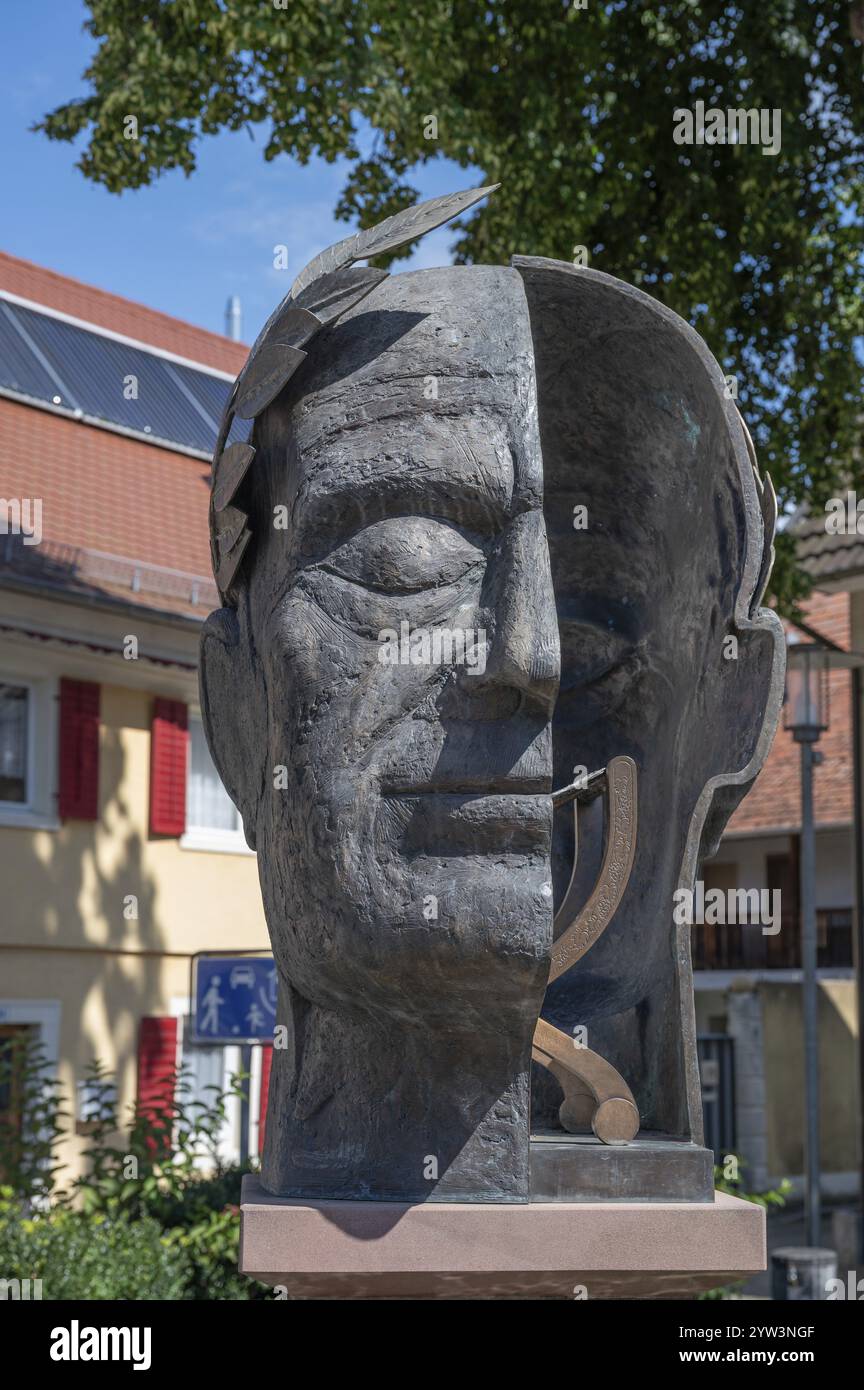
(589, 654)
(405, 555)
(598, 669)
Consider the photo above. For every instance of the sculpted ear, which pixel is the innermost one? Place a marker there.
(741, 716)
(233, 710)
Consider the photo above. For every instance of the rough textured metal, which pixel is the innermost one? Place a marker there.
(271, 371)
(636, 427)
(570, 1169)
(402, 813)
(330, 284)
(389, 235)
(406, 1073)
(332, 295)
(229, 472)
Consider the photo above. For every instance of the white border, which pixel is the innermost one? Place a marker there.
(40, 810)
(25, 806)
(204, 837)
(41, 1013)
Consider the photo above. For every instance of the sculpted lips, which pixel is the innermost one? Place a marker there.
(508, 815)
(466, 785)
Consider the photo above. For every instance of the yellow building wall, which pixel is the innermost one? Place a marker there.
(783, 1032)
(63, 932)
(67, 887)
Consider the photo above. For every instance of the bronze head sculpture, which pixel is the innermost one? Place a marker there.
(404, 430)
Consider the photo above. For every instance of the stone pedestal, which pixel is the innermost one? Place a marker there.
(578, 1168)
(362, 1250)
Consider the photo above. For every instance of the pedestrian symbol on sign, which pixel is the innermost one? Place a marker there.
(212, 1000)
(235, 999)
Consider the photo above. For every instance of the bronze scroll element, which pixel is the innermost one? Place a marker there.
(595, 1093)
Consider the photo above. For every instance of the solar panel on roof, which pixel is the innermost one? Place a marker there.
(47, 359)
(20, 370)
(212, 392)
(115, 382)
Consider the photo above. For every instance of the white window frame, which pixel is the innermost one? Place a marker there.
(43, 1014)
(39, 811)
(202, 837)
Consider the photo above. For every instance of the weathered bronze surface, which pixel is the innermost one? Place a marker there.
(666, 655)
(427, 440)
(595, 1096)
(651, 1168)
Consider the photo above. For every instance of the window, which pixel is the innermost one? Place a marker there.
(14, 741)
(28, 745)
(212, 819)
(204, 1072)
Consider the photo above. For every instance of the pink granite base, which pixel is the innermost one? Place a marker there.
(362, 1250)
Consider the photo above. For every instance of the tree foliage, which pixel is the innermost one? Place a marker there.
(572, 110)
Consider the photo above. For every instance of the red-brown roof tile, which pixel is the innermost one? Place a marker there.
(775, 799)
(103, 491)
(106, 310)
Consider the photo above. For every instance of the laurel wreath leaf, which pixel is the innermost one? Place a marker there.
(390, 234)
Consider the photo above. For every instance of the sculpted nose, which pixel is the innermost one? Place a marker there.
(523, 653)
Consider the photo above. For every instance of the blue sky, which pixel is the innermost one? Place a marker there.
(182, 245)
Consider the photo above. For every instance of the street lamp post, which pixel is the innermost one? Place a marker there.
(806, 716)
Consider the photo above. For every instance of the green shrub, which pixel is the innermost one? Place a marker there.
(148, 1177)
(212, 1248)
(144, 1221)
(204, 1220)
(79, 1256)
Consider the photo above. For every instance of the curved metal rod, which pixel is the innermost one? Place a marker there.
(594, 1092)
(581, 933)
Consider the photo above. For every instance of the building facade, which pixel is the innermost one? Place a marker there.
(747, 972)
(121, 855)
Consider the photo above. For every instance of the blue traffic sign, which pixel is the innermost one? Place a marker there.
(235, 999)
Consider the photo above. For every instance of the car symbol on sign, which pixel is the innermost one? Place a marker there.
(242, 975)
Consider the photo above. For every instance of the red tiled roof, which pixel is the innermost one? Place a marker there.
(776, 796)
(100, 490)
(119, 315)
(825, 555)
(104, 491)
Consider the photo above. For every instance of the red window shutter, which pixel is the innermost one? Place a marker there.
(78, 797)
(157, 1070)
(169, 750)
(266, 1064)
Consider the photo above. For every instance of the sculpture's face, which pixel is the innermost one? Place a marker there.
(379, 697)
(643, 465)
(404, 851)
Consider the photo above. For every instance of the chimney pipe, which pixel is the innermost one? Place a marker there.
(233, 318)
